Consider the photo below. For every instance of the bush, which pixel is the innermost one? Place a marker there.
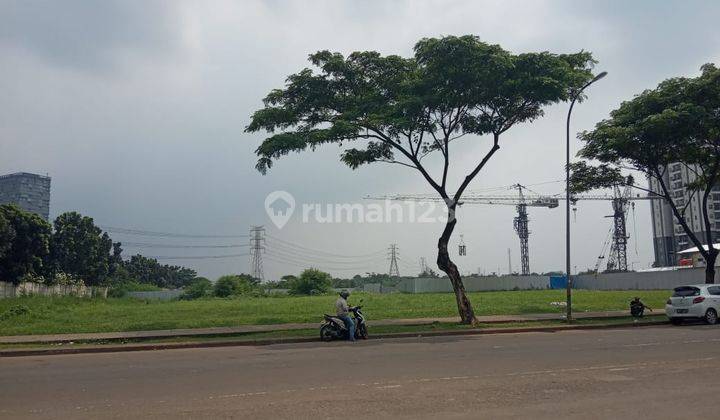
(233, 285)
(200, 287)
(311, 282)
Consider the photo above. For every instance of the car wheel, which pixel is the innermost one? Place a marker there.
(676, 321)
(711, 317)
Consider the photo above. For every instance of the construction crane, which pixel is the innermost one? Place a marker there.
(620, 200)
(520, 222)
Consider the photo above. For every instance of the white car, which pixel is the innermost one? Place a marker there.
(694, 302)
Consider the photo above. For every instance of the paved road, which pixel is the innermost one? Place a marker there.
(658, 372)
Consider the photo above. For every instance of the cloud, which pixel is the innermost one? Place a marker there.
(91, 35)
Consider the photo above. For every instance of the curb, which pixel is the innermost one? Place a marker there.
(267, 342)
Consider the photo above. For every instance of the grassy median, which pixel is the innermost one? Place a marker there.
(44, 315)
(312, 333)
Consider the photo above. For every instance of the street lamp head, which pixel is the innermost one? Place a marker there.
(598, 77)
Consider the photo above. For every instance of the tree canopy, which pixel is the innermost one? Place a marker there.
(26, 246)
(81, 249)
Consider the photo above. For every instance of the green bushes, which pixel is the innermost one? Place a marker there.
(200, 287)
(235, 285)
(311, 282)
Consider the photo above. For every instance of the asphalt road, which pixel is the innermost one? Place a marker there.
(658, 372)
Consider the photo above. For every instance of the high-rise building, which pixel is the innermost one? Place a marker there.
(668, 235)
(30, 192)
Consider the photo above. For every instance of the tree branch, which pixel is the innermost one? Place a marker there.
(471, 175)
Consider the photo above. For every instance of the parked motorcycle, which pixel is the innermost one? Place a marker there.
(333, 328)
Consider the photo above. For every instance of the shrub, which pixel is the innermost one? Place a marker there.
(311, 282)
(200, 287)
(233, 285)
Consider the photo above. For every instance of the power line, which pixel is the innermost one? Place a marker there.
(269, 257)
(291, 261)
(285, 254)
(138, 232)
(302, 254)
(153, 245)
(317, 251)
(197, 257)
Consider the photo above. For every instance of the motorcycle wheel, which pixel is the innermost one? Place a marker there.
(362, 332)
(326, 333)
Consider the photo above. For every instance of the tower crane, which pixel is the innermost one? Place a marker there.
(620, 199)
(520, 222)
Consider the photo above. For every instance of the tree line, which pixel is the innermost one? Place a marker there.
(73, 250)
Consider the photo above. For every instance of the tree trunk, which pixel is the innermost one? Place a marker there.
(467, 315)
(710, 266)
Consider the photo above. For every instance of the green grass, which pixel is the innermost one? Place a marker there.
(48, 315)
(313, 332)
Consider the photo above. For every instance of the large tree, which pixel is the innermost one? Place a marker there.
(677, 123)
(27, 250)
(80, 248)
(404, 109)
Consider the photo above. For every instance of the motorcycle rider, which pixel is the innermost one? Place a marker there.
(637, 305)
(342, 310)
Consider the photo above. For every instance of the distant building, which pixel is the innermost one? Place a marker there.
(669, 238)
(30, 192)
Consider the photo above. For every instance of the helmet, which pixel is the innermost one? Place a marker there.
(344, 294)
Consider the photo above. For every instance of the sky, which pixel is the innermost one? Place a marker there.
(137, 110)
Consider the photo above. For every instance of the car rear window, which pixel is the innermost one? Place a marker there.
(686, 291)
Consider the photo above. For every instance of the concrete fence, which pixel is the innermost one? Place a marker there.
(640, 280)
(474, 284)
(9, 290)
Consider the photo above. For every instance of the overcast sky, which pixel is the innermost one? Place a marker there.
(137, 109)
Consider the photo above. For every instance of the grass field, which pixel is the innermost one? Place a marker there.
(70, 315)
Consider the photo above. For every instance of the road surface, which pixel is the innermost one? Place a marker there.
(657, 372)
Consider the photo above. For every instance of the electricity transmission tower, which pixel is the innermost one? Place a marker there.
(257, 248)
(423, 266)
(394, 271)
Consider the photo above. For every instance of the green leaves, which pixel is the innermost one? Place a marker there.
(585, 178)
(25, 246)
(450, 87)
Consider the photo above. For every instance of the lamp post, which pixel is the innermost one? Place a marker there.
(568, 287)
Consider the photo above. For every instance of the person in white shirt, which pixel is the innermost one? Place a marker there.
(342, 310)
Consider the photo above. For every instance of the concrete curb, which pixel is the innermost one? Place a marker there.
(110, 348)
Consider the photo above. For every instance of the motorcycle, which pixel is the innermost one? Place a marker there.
(637, 309)
(333, 328)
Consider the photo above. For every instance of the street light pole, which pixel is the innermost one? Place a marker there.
(568, 287)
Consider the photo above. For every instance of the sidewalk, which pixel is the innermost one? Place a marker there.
(219, 331)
